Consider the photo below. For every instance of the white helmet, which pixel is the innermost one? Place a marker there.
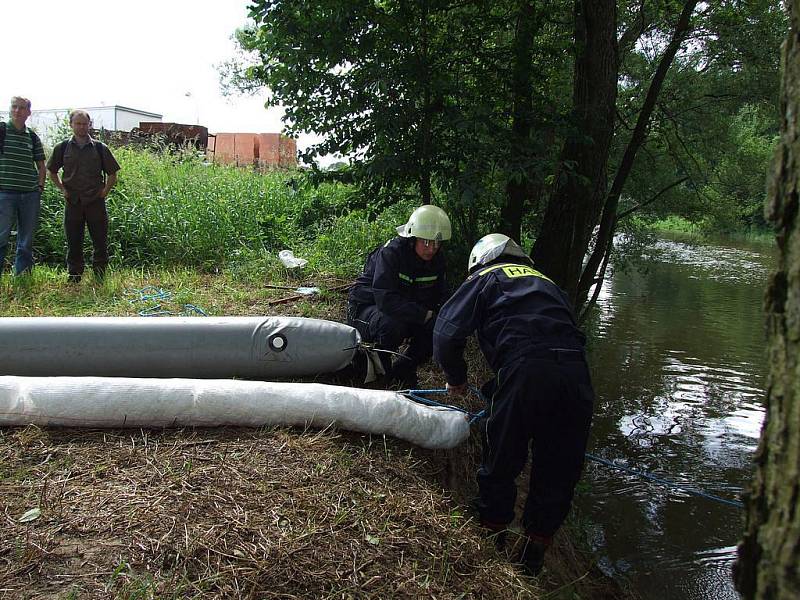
(428, 222)
(489, 247)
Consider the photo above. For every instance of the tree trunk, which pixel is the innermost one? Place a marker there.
(769, 555)
(426, 126)
(608, 222)
(518, 182)
(575, 205)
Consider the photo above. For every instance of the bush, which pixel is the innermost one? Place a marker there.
(175, 210)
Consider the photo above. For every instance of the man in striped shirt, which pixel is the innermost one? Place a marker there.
(22, 174)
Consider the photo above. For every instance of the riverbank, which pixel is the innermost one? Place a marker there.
(679, 228)
(279, 512)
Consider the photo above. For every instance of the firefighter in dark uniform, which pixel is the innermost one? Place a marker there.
(541, 395)
(402, 287)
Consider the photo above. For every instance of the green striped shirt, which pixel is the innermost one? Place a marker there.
(18, 172)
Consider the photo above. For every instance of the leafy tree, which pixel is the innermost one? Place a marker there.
(733, 197)
(689, 72)
(610, 202)
(360, 73)
(535, 118)
(580, 190)
(726, 74)
(449, 97)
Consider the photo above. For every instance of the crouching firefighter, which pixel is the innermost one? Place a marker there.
(541, 395)
(402, 286)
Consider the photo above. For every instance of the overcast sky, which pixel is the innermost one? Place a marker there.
(157, 56)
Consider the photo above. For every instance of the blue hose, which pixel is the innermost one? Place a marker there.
(419, 396)
(672, 484)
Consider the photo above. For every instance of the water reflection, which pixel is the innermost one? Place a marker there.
(677, 354)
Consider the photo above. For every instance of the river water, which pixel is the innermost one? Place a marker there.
(678, 360)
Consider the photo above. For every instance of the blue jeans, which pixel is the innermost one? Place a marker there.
(22, 208)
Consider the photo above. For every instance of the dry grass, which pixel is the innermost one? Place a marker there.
(234, 513)
(239, 513)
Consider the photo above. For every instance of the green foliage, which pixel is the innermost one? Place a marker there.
(716, 117)
(736, 193)
(417, 93)
(172, 210)
(343, 247)
(421, 97)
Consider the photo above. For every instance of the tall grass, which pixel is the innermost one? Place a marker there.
(704, 230)
(174, 210)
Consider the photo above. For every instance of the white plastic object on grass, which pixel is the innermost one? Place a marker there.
(289, 260)
(307, 291)
(140, 402)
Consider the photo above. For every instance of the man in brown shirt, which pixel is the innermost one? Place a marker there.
(85, 162)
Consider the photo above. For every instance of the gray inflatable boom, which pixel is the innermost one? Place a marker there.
(128, 402)
(196, 347)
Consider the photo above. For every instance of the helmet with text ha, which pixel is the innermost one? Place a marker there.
(493, 246)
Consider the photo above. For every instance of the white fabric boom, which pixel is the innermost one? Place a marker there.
(133, 402)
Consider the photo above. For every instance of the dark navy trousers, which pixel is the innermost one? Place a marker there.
(388, 332)
(540, 405)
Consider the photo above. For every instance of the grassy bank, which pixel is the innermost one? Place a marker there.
(675, 225)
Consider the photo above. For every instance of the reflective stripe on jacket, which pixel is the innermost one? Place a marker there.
(400, 283)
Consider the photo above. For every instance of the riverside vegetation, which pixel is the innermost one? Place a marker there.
(269, 513)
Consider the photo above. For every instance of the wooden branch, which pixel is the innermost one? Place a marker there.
(598, 282)
(608, 219)
(652, 199)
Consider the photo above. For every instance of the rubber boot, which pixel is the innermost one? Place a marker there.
(499, 538)
(494, 531)
(532, 557)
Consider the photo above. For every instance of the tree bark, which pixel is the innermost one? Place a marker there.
(518, 183)
(769, 555)
(426, 126)
(575, 205)
(608, 221)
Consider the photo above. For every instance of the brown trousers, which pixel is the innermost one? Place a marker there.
(95, 216)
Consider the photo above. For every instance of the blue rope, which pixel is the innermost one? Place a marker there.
(672, 484)
(419, 396)
(191, 308)
(151, 293)
(148, 293)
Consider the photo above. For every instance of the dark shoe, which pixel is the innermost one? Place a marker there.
(532, 557)
(73, 278)
(497, 532)
(99, 274)
(475, 505)
(499, 538)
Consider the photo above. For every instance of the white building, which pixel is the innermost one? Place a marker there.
(47, 122)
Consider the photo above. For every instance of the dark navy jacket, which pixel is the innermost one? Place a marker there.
(400, 283)
(516, 311)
